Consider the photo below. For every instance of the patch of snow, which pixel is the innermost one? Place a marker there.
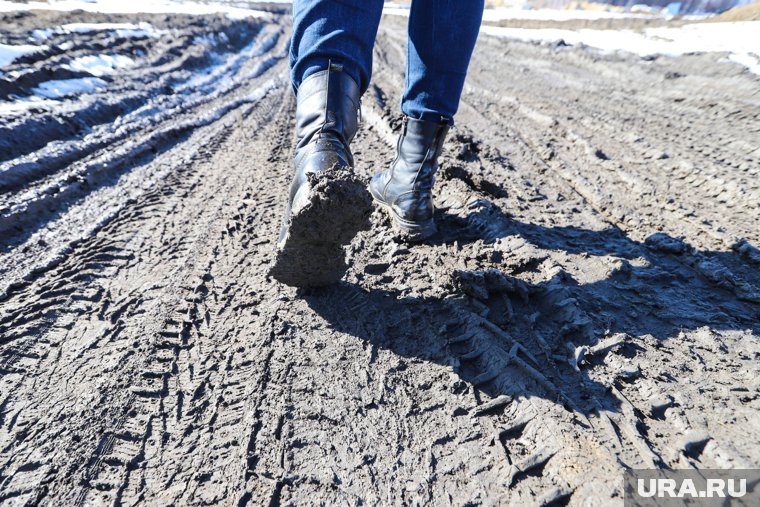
(63, 87)
(99, 65)
(210, 39)
(752, 62)
(731, 37)
(507, 13)
(23, 105)
(99, 27)
(124, 30)
(498, 14)
(42, 33)
(207, 39)
(136, 7)
(396, 10)
(644, 9)
(608, 40)
(9, 53)
(737, 38)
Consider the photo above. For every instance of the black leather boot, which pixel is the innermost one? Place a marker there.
(405, 189)
(327, 204)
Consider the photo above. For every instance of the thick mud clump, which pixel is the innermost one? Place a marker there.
(311, 254)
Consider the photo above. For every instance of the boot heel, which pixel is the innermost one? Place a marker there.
(404, 190)
(409, 231)
(415, 231)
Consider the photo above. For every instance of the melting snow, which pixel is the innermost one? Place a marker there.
(499, 14)
(504, 13)
(737, 38)
(9, 53)
(99, 65)
(24, 104)
(125, 30)
(62, 87)
(555, 14)
(752, 62)
(211, 39)
(136, 6)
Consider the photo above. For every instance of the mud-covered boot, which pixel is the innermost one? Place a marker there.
(327, 204)
(405, 188)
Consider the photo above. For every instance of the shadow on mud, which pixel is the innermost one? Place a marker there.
(507, 337)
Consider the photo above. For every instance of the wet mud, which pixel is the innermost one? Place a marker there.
(590, 302)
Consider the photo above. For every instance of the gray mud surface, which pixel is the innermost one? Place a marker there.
(591, 301)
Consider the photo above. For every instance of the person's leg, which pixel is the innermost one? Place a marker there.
(442, 35)
(341, 31)
(331, 63)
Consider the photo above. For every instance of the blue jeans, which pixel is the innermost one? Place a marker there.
(442, 35)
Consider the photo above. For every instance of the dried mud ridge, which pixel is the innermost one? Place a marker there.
(591, 302)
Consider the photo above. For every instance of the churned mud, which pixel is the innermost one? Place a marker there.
(590, 303)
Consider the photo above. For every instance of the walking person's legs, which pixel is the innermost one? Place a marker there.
(341, 31)
(442, 36)
(331, 64)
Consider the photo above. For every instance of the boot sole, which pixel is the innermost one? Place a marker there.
(312, 253)
(409, 231)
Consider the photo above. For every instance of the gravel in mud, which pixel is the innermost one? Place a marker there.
(591, 301)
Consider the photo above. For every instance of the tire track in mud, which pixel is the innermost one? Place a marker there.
(654, 205)
(630, 421)
(122, 446)
(184, 94)
(78, 175)
(528, 354)
(173, 325)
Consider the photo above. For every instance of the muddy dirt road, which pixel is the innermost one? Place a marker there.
(591, 303)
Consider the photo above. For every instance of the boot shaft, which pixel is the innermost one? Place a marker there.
(405, 188)
(419, 146)
(327, 104)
